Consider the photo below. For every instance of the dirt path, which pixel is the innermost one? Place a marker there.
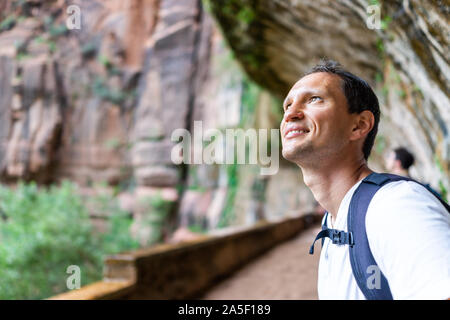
(285, 272)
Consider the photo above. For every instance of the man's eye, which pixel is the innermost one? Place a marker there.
(287, 106)
(315, 98)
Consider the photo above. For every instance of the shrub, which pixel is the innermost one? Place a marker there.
(45, 230)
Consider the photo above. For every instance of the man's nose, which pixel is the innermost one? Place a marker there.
(294, 112)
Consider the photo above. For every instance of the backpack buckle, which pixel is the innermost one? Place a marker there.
(341, 237)
(351, 240)
(337, 235)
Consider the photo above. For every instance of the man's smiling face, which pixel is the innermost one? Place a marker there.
(316, 122)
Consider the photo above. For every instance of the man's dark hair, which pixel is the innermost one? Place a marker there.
(359, 94)
(406, 158)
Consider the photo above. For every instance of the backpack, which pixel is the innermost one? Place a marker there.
(361, 258)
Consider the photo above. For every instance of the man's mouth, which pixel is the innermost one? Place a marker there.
(295, 133)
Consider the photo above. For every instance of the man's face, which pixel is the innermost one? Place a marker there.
(316, 123)
(389, 161)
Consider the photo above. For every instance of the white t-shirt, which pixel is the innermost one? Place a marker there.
(409, 235)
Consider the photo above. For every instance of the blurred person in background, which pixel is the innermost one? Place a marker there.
(398, 162)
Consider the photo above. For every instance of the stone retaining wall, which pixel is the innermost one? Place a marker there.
(186, 270)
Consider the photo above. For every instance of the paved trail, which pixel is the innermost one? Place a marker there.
(285, 272)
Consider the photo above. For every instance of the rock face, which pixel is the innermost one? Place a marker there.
(406, 59)
(100, 104)
(277, 41)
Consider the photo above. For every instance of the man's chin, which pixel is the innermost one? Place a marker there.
(297, 155)
(292, 156)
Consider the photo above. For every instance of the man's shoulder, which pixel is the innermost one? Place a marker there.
(404, 192)
(404, 200)
(408, 230)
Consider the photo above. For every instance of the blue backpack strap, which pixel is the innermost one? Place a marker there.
(437, 194)
(336, 236)
(361, 257)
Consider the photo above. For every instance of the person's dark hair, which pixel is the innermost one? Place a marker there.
(359, 94)
(406, 158)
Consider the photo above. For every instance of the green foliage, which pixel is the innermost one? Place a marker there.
(443, 191)
(233, 183)
(22, 56)
(113, 144)
(197, 228)
(57, 30)
(380, 144)
(385, 22)
(8, 23)
(194, 181)
(207, 6)
(51, 46)
(380, 48)
(46, 40)
(438, 163)
(20, 5)
(246, 15)
(159, 210)
(43, 231)
(54, 30)
(249, 102)
(102, 90)
(89, 49)
(104, 60)
(401, 93)
(21, 49)
(379, 78)
(417, 90)
(117, 238)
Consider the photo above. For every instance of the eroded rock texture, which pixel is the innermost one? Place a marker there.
(407, 60)
(100, 104)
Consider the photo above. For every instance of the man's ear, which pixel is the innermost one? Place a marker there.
(398, 164)
(363, 124)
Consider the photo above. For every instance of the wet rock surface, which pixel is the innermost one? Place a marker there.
(406, 59)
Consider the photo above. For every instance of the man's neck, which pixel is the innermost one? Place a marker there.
(330, 184)
(401, 172)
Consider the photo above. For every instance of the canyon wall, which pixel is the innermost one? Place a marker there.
(405, 57)
(98, 105)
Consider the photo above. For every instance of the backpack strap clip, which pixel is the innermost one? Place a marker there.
(342, 237)
(336, 236)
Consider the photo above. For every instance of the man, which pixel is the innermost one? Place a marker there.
(399, 161)
(328, 129)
